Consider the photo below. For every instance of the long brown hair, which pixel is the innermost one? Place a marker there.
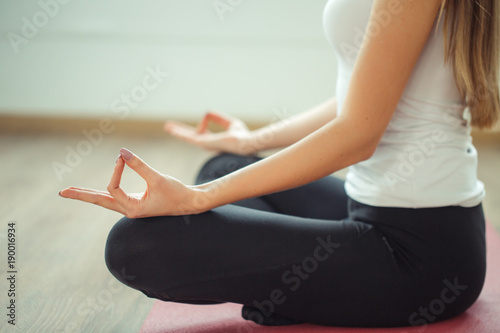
(471, 31)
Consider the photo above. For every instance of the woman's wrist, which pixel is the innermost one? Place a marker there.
(256, 141)
(205, 196)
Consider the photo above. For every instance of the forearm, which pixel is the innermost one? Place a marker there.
(331, 148)
(287, 131)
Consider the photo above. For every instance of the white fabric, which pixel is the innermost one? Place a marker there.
(426, 157)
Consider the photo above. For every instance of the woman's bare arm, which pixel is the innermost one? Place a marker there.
(288, 131)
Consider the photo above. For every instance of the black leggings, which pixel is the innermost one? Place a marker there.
(311, 254)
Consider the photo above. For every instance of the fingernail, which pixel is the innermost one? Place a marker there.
(126, 154)
(118, 158)
(60, 194)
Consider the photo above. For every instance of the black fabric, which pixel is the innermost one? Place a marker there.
(258, 316)
(309, 254)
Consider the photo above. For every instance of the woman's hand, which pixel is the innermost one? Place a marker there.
(164, 195)
(236, 138)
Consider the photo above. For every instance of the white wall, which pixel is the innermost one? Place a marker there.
(259, 56)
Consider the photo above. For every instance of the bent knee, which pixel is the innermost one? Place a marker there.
(221, 165)
(119, 249)
(139, 252)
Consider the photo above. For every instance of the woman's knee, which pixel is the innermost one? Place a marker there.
(223, 164)
(140, 252)
(121, 253)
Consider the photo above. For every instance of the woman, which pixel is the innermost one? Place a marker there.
(403, 244)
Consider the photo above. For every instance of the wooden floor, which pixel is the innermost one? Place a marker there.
(62, 283)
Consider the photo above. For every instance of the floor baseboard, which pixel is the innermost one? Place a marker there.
(36, 124)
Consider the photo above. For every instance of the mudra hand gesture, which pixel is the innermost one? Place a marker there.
(164, 195)
(236, 138)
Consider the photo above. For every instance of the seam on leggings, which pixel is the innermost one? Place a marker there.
(231, 275)
(398, 253)
(391, 250)
(211, 279)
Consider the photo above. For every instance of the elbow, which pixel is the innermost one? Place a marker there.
(368, 143)
(367, 152)
(363, 139)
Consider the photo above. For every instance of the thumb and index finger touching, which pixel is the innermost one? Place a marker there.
(136, 164)
(218, 118)
(188, 132)
(105, 199)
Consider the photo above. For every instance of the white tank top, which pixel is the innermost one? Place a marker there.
(426, 157)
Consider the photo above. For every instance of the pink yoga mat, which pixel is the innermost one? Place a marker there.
(482, 317)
